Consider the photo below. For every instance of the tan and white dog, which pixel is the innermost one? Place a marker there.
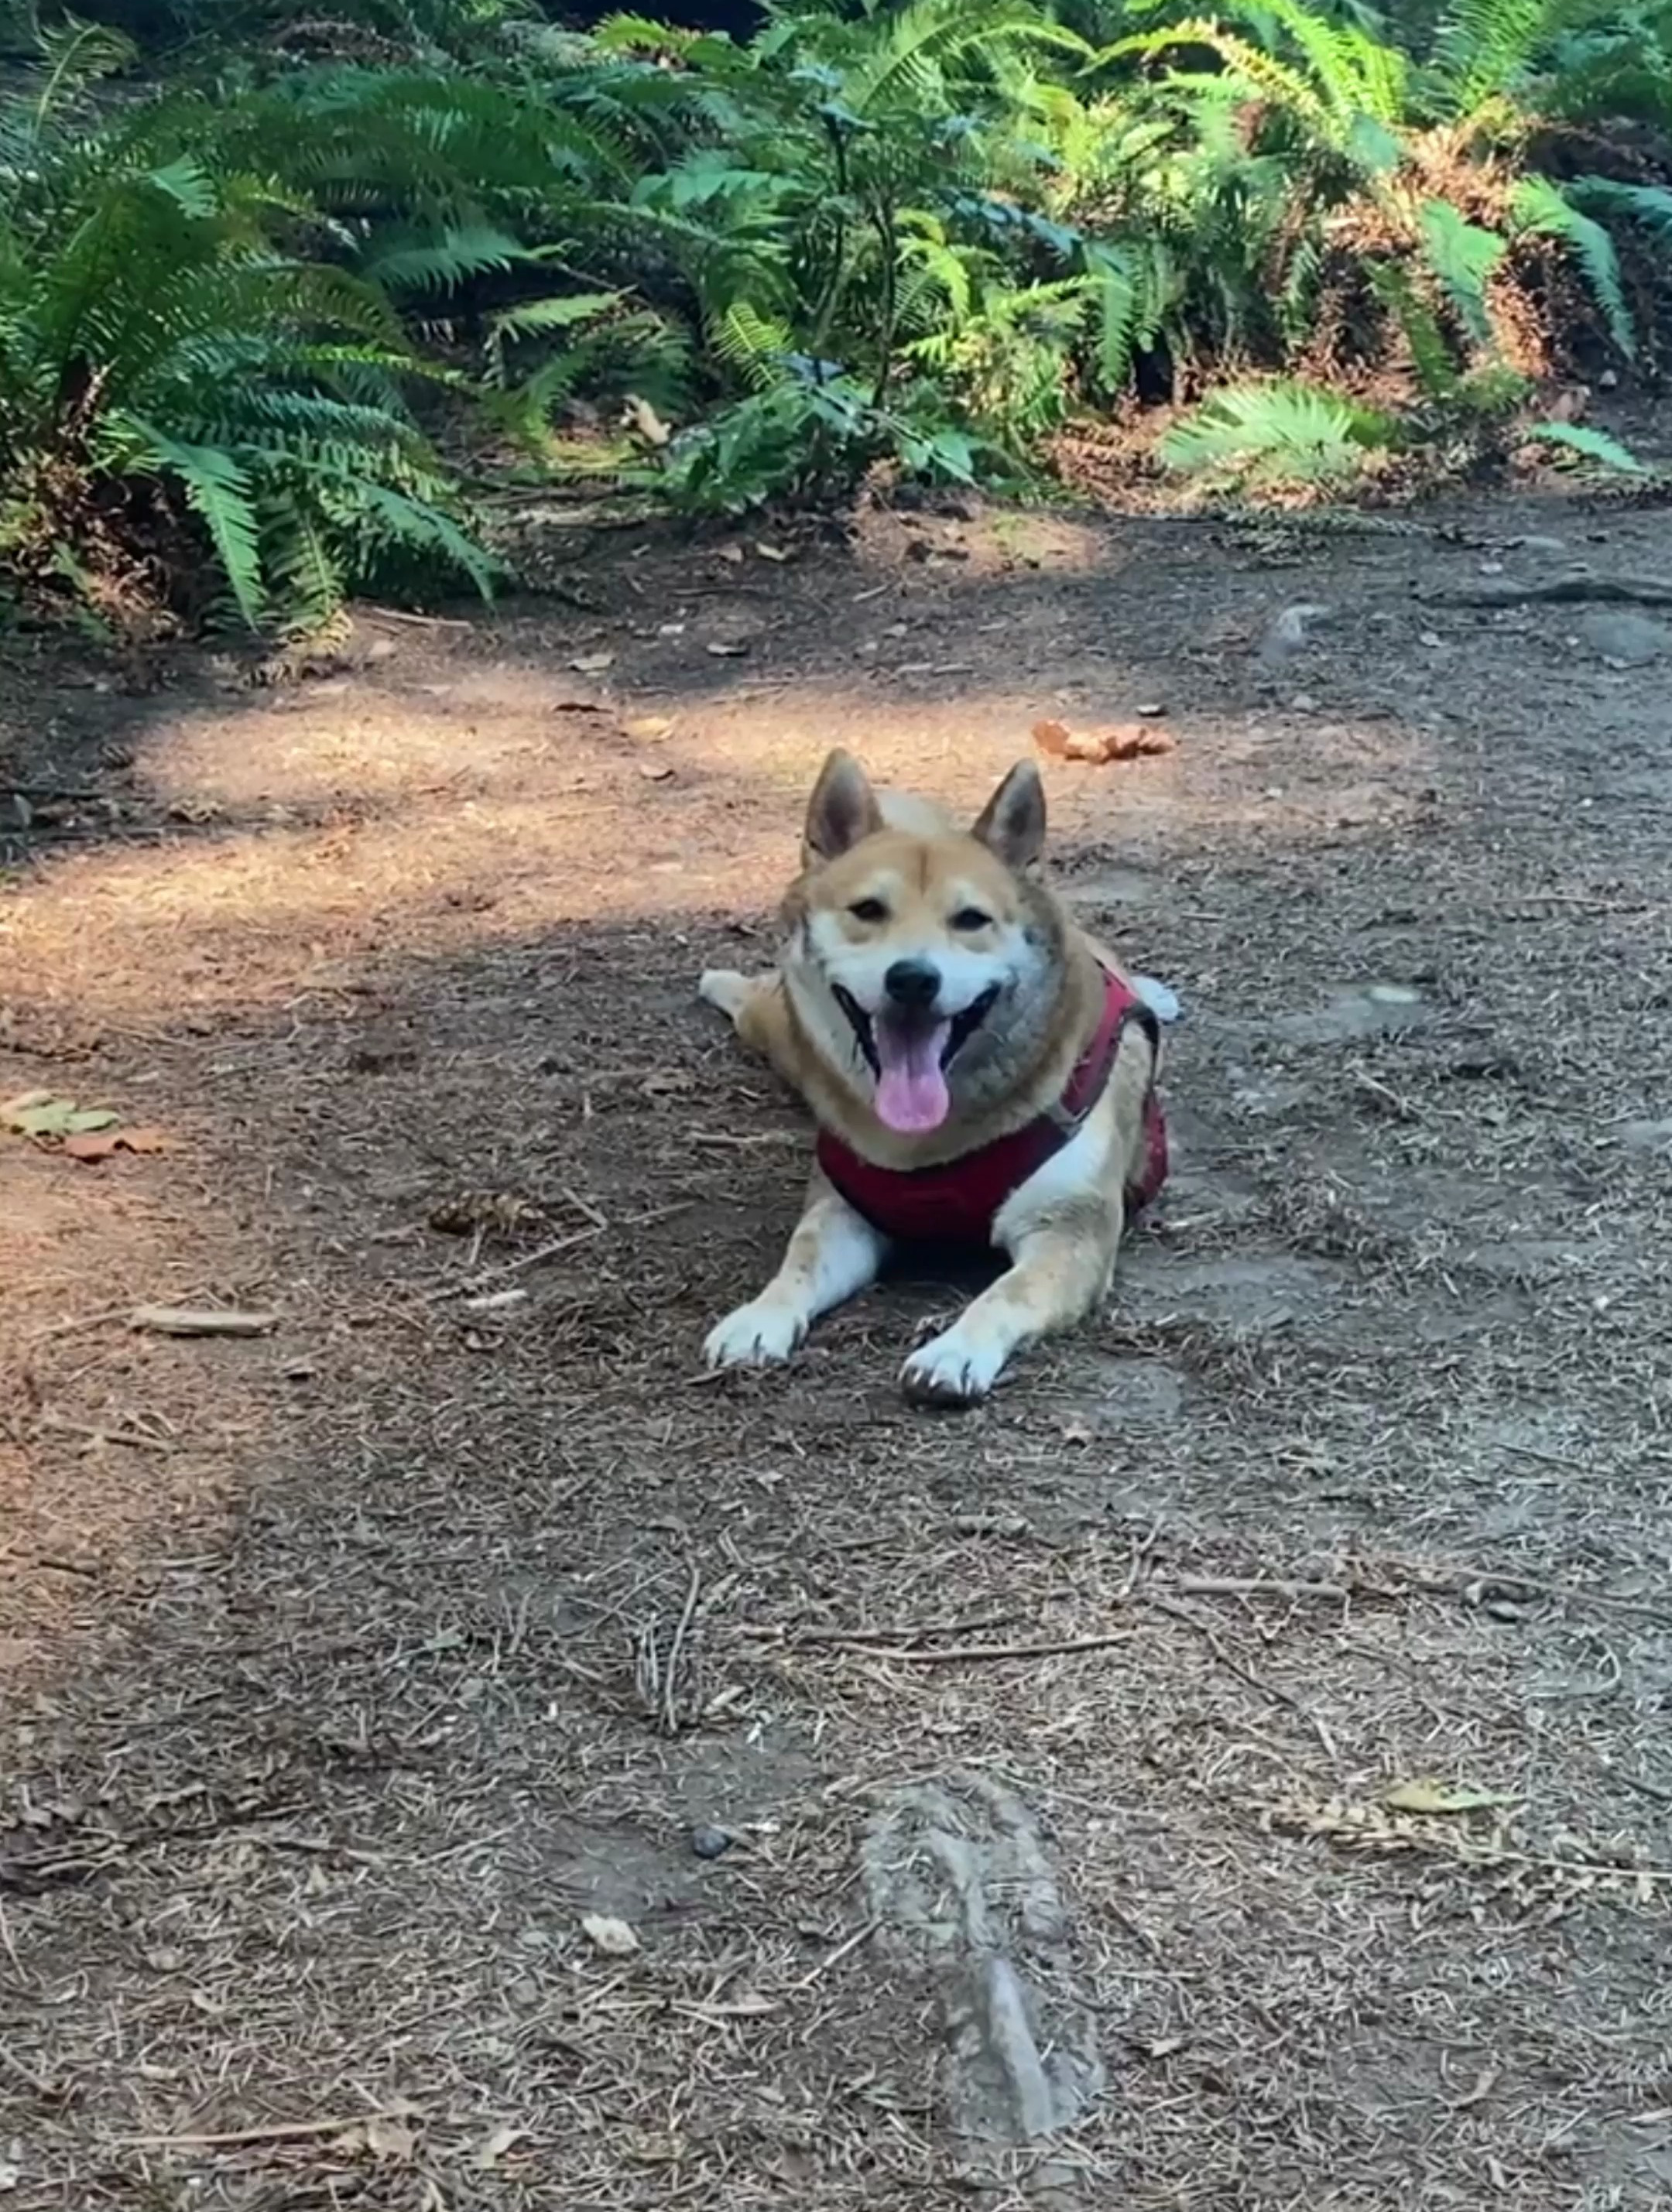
(979, 1069)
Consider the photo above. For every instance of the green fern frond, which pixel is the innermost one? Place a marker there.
(751, 344)
(219, 492)
(1482, 48)
(442, 261)
(1588, 444)
(1462, 256)
(1431, 356)
(1275, 434)
(1647, 205)
(1541, 209)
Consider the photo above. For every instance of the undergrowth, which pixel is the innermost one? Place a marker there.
(257, 279)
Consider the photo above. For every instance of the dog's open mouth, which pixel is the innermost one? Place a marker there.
(909, 1053)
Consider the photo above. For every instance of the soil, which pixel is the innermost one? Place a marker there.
(350, 1667)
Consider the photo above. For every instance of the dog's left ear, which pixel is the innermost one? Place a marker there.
(1012, 822)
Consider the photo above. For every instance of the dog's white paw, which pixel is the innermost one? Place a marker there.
(762, 1334)
(955, 1369)
(724, 987)
(1164, 1004)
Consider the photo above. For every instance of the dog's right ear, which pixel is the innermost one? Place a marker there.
(842, 808)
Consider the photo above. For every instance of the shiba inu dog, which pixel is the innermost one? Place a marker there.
(979, 1069)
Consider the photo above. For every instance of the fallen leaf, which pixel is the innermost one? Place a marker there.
(1426, 1795)
(100, 1144)
(391, 2139)
(650, 2147)
(732, 555)
(201, 1321)
(1127, 741)
(769, 552)
(647, 422)
(613, 1937)
(593, 663)
(728, 649)
(38, 1113)
(648, 726)
(493, 2148)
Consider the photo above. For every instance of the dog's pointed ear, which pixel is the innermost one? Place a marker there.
(1012, 822)
(842, 808)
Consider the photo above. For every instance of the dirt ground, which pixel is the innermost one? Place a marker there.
(347, 1666)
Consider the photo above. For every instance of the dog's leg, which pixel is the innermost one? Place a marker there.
(755, 1007)
(833, 1253)
(1061, 1269)
(728, 989)
(1062, 1229)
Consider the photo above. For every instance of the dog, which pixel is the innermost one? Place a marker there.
(980, 1072)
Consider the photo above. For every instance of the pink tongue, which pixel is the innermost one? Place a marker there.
(911, 1091)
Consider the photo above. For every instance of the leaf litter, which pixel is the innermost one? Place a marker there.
(1198, 1929)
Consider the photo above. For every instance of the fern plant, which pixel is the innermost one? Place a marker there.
(167, 344)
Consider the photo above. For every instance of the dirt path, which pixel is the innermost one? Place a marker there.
(345, 1669)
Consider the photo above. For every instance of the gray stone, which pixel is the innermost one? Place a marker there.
(1646, 1136)
(1360, 1012)
(962, 1886)
(1628, 641)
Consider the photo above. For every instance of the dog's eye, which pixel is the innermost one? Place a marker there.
(971, 917)
(868, 910)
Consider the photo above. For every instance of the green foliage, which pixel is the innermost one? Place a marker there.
(1588, 444)
(924, 232)
(169, 342)
(1266, 436)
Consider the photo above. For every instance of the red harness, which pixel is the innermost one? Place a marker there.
(957, 1201)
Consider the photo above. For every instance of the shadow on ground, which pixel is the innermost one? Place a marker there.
(348, 1669)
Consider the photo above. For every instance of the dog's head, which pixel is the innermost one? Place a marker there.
(915, 955)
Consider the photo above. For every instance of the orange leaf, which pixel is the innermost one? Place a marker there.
(95, 1145)
(1127, 742)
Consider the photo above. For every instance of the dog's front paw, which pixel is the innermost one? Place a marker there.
(956, 1368)
(724, 987)
(762, 1334)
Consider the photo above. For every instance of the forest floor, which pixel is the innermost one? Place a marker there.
(350, 1665)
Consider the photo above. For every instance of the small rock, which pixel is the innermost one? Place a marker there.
(1647, 1136)
(1430, 637)
(710, 1843)
(1626, 640)
(380, 649)
(1304, 704)
(1152, 711)
(611, 1936)
(1289, 632)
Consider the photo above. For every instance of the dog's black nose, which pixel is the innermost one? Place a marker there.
(915, 983)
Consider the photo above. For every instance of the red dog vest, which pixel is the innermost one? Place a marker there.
(957, 1202)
